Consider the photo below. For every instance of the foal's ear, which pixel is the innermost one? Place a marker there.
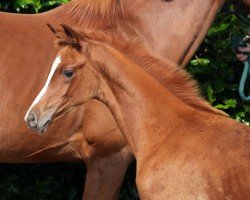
(74, 36)
(52, 28)
(70, 32)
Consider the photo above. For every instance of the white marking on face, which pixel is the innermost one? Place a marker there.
(45, 87)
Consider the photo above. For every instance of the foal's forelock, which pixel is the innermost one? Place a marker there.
(45, 87)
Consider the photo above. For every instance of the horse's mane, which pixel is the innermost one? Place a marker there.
(94, 13)
(169, 74)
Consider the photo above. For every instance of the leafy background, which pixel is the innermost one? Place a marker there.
(214, 66)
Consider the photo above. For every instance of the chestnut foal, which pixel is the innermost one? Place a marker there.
(182, 150)
(149, 24)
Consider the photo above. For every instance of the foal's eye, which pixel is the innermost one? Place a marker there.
(68, 74)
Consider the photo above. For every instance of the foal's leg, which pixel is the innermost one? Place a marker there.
(105, 175)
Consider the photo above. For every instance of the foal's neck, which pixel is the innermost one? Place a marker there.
(140, 105)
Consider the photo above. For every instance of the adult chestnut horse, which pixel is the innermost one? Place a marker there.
(26, 39)
(182, 151)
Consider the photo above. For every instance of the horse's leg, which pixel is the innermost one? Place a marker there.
(105, 175)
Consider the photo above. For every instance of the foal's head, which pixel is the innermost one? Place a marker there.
(63, 89)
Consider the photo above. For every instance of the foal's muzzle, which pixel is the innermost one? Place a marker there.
(32, 121)
(37, 124)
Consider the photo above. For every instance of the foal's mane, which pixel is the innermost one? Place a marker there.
(170, 75)
(94, 13)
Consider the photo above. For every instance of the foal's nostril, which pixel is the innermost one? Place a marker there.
(32, 121)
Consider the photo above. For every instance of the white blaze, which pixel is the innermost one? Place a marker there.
(42, 92)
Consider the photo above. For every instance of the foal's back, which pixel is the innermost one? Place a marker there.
(209, 158)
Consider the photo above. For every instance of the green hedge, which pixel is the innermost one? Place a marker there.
(29, 6)
(214, 66)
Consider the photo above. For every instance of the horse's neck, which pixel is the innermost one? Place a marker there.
(172, 29)
(137, 101)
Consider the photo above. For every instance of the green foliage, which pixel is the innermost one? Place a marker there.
(29, 6)
(41, 181)
(215, 68)
(61, 181)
